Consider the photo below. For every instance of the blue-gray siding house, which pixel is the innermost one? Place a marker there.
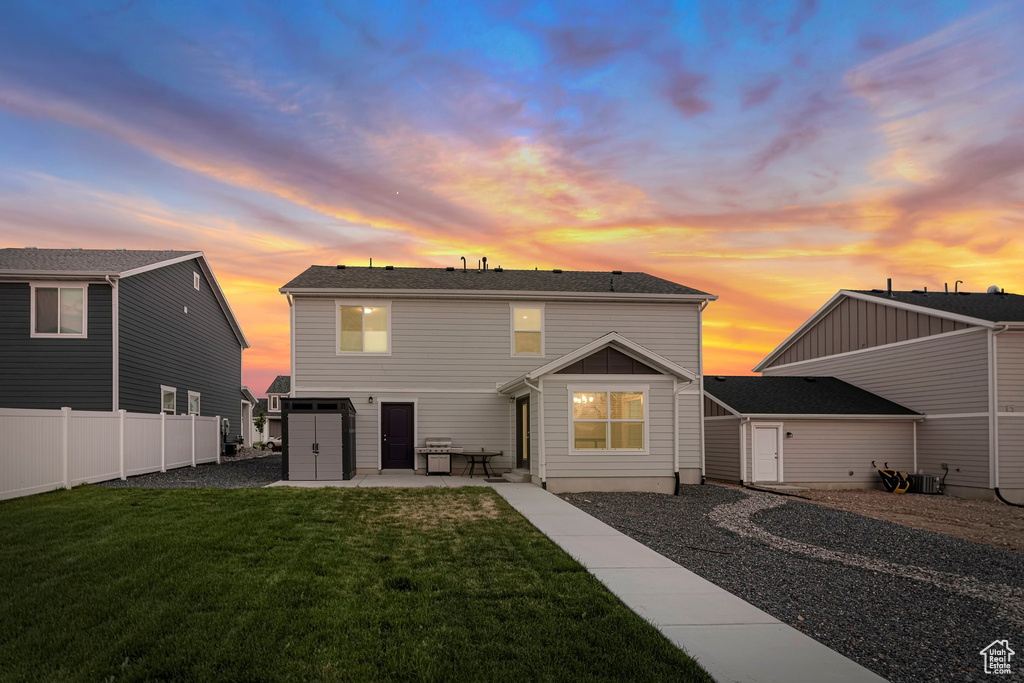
(107, 329)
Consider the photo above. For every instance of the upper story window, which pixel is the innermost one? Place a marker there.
(193, 403)
(364, 327)
(604, 420)
(59, 310)
(275, 403)
(168, 397)
(527, 329)
(195, 280)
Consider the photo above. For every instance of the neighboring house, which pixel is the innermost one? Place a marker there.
(278, 389)
(957, 358)
(249, 404)
(109, 329)
(816, 431)
(584, 380)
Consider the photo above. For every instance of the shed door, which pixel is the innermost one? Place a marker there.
(301, 436)
(766, 452)
(328, 444)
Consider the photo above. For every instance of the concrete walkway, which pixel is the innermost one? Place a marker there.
(729, 637)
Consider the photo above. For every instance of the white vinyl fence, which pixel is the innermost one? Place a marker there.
(42, 450)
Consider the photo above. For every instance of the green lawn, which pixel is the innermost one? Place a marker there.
(270, 584)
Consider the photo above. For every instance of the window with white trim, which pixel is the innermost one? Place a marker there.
(168, 400)
(364, 328)
(59, 310)
(609, 420)
(195, 280)
(275, 403)
(527, 330)
(193, 403)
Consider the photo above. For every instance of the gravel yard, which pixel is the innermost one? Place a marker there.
(909, 604)
(247, 471)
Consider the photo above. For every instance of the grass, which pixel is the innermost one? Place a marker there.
(275, 584)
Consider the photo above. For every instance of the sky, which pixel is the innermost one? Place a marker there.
(768, 153)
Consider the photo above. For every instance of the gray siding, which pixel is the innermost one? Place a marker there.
(962, 443)
(53, 373)
(161, 344)
(713, 409)
(934, 376)
(1011, 452)
(1010, 361)
(827, 451)
(722, 453)
(466, 343)
(659, 461)
(855, 324)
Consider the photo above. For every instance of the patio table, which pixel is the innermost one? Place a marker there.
(474, 458)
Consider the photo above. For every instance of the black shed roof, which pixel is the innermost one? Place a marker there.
(758, 395)
(995, 308)
(362, 277)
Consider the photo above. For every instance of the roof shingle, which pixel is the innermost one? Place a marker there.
(759, 395)
(282, 384)
(992, 307)
(105, 261)
(361, 277)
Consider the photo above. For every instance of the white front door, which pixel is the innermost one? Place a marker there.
(766, 452)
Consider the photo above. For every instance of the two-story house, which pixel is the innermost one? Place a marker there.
(278, 389)
(957, 358)
(115, 329)
(584, 380)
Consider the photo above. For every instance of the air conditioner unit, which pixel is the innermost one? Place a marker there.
(924, 483)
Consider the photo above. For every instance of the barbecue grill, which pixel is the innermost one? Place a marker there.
(438, 452)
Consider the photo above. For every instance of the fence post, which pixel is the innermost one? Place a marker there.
(66, 415)
(163, 441)
(217, 439)
(120, 454)
(193, 439)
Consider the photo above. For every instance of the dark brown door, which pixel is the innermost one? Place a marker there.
(523, 432)
(396, 436)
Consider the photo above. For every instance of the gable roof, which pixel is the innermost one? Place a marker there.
(353, 278)
(282, 384)
(32, 263)
(247, 395)
(613, 339)
(996, 308)
(260, 407)
(757, 395)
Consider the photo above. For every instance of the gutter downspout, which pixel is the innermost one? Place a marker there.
(543, 467)
(676, 390)
(994, 415)
(700, 384)
(743, 449)
(915, 445)
(291, 343)
(115, 343)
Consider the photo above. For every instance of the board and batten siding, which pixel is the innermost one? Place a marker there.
(722, 449)
(714, 409)
(161, 344)
(856, 324)
(659, 461)
(55, 373)
(934, 376)
(467, 343)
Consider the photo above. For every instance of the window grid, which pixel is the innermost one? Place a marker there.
(608, 421)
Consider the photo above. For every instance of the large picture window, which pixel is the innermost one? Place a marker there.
(606, 420)
(364, 328)
(527, 330)
(59, 310)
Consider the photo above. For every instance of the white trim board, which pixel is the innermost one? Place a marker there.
(781, 435)
(711, 396)
(503, 294)
(40, 284)
(339, 392)
(512, 328)
(881, 347)
(364, 304)
(596, 387)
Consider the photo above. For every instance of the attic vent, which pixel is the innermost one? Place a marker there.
(499, 269)
(120, 249)
(616, 272)
(31, 247)
(341, 267)
(557, 270)
(389, 267)
(720, 378)
(810, 379)
(450, 269)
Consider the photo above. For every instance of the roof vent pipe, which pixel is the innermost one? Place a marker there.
(371, 263)
(888, 287)
(947, 287)
(485, 263)
(463, 264)
(956, 286)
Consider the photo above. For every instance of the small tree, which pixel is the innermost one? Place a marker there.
(260, 421)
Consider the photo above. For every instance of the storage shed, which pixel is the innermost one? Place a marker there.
(318, 439)
(813, 431)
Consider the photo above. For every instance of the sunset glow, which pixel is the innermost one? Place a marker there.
(769, 153)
